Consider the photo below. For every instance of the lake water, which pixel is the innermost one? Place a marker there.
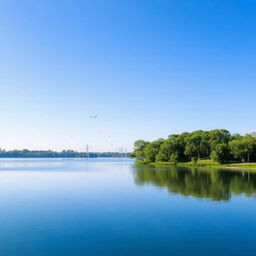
(111, 207)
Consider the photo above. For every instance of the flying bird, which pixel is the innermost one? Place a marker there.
(94, 116)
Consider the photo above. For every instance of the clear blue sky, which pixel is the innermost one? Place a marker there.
(148, 68)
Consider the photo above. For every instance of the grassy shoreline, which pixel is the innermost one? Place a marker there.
(206, 163)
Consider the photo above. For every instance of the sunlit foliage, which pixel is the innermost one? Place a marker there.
(218, 144)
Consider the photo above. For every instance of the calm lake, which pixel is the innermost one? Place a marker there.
(111, 207)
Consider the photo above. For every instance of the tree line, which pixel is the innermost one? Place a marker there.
(55, 154)
(218, 145)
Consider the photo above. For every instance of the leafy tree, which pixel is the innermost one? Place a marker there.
(174, 158)
(242, 148)
(138, 152)
(151, 150)
(205, 147)
(165, 151)
(169, 147)
(221, 153)
(236, 136)
(193, 144)
(218, 136)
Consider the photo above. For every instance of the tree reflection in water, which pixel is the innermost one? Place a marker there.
(212, 183)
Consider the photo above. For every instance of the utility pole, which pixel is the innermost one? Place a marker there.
(87, 151)
(121, 152)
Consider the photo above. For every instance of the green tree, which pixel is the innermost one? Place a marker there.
(169, 147)
(218, 136)
(151, 150)
(205, 147)
(174, 158)
(138, 152)
(243, 147)
(165, 151)
(221, 153)
(193, 144)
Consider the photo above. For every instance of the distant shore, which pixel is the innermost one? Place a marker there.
(25, 153)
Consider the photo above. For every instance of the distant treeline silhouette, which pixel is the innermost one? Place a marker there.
(55, 154)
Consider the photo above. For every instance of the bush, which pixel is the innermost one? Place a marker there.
(194, 160)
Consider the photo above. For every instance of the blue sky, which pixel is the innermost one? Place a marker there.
(147, 68)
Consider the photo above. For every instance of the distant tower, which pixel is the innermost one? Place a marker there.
(87, 151)
(121, 152)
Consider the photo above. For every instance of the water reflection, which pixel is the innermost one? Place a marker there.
(200, 183)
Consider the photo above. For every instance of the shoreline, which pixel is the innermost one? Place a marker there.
(205, 164)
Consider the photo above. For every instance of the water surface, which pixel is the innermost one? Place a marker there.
(111, 207)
